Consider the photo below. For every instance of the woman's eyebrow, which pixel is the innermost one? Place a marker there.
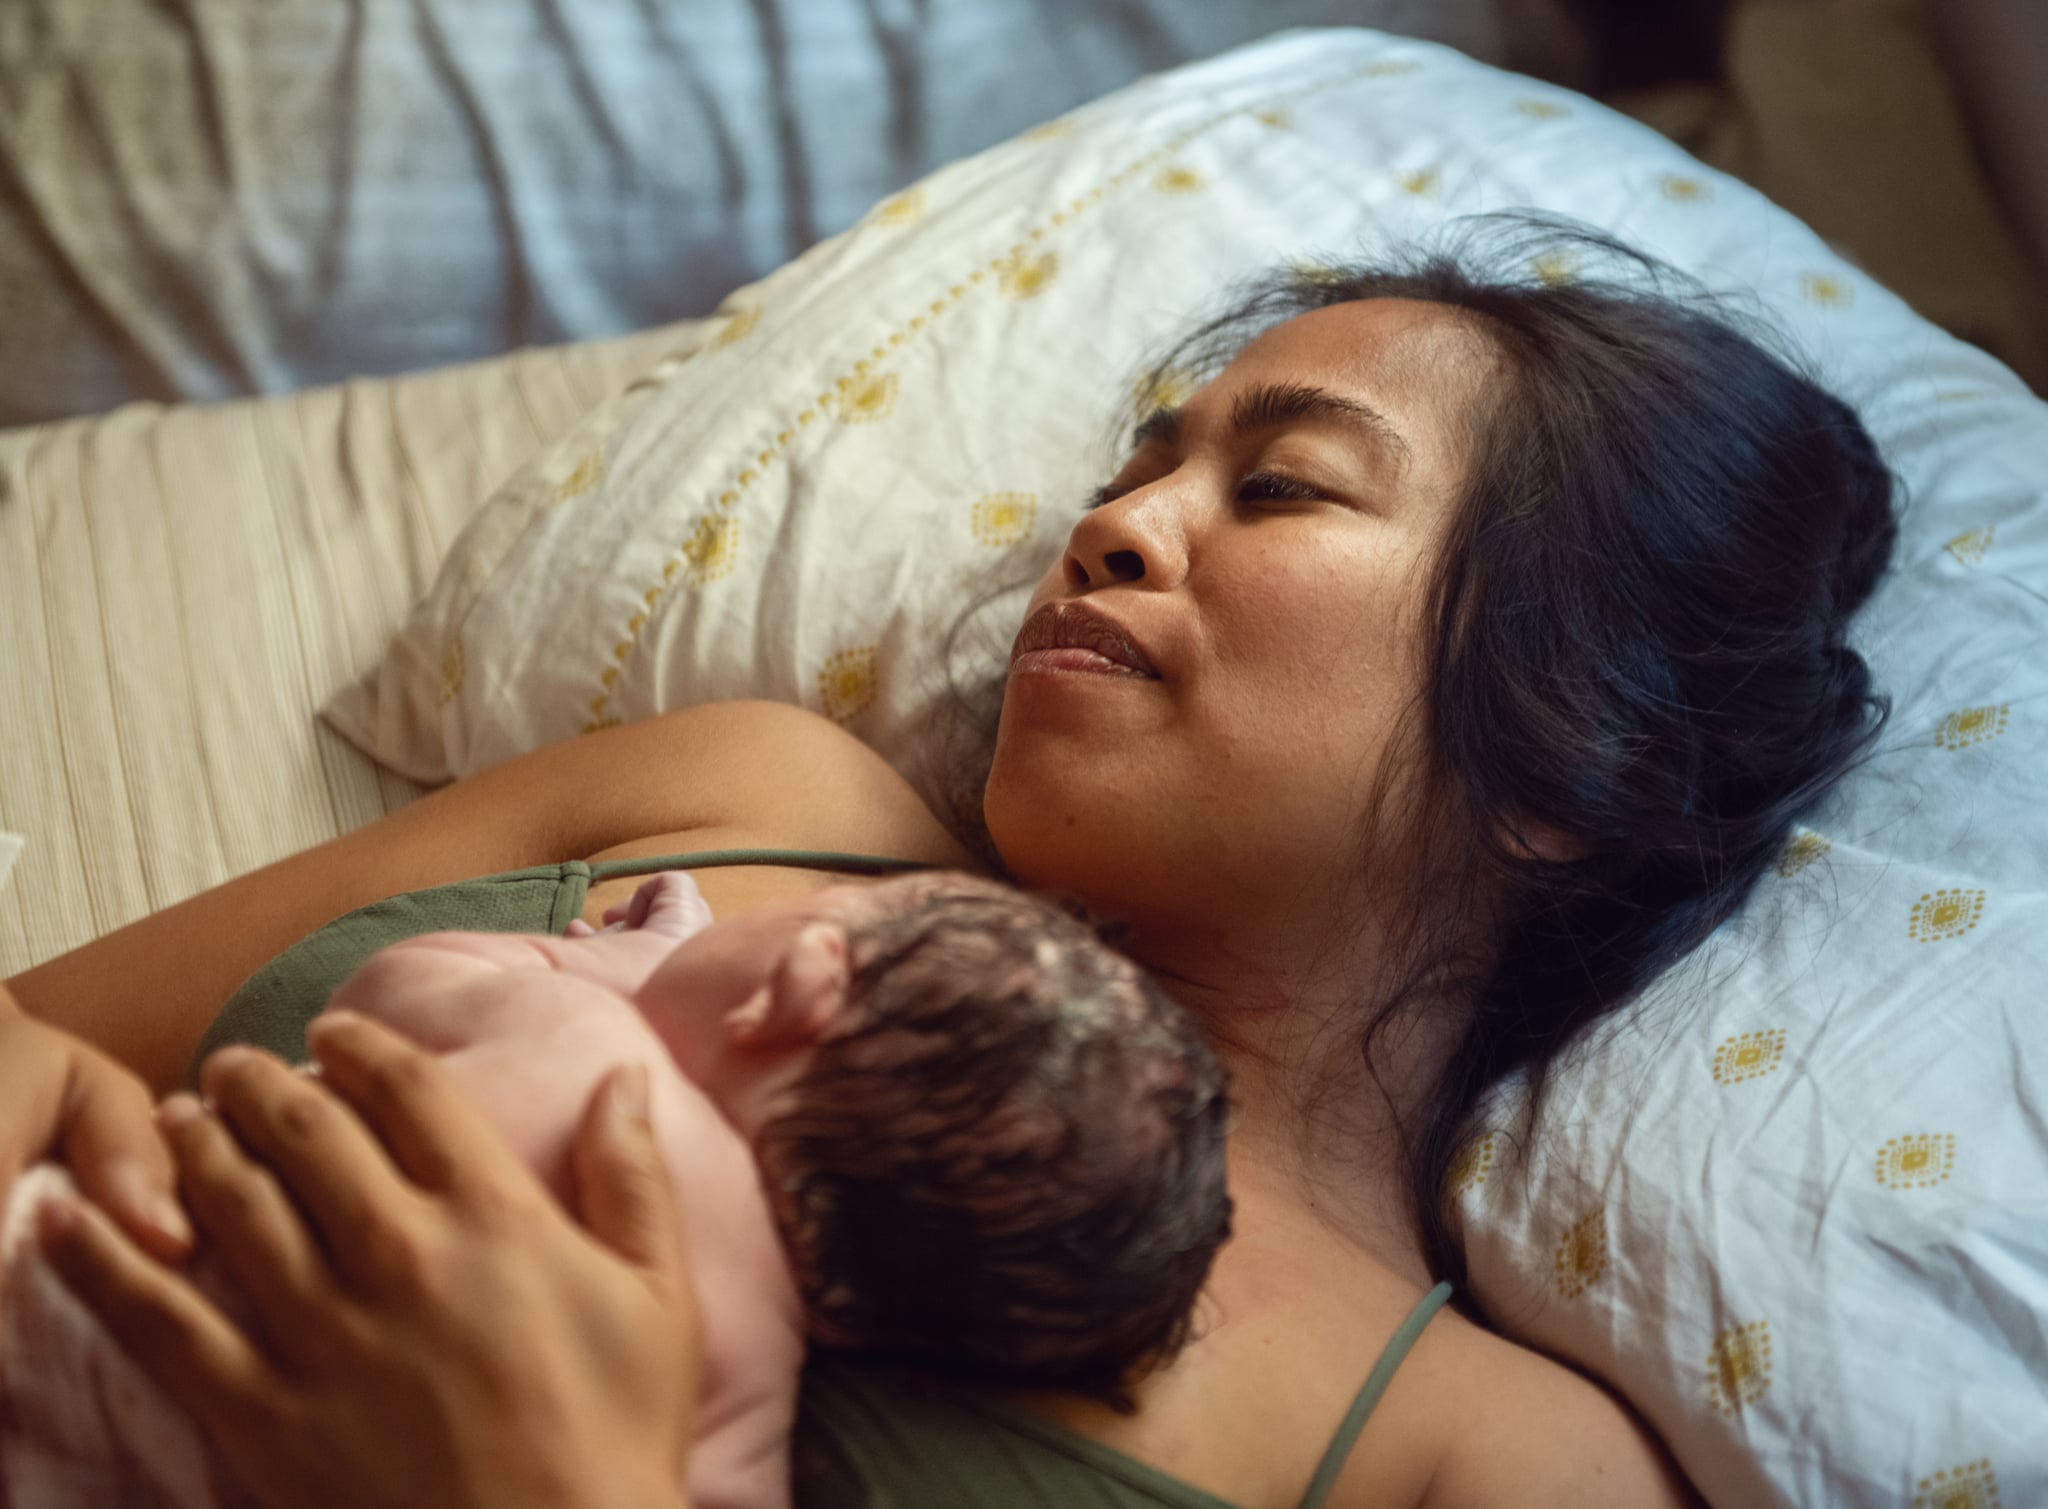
(1266, 406)
(1160, 424)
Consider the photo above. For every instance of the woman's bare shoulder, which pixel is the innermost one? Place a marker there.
(797, 779)
(1512, 1426)
(731, 774)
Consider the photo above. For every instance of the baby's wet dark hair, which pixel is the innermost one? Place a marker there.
(1009, 1164)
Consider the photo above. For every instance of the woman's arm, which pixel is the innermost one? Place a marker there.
(754, 772)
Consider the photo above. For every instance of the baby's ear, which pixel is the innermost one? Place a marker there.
(803, 997)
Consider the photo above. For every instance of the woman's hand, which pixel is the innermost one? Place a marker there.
(430, 1328)
(62, 1098)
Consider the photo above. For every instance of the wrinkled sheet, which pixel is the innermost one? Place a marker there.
(206, 201)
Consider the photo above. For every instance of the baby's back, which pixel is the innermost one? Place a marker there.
(531, 1026)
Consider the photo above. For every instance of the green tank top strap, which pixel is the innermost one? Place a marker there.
(272, 1007)
(866, 1433)
(1376, 1382)
(713, 859)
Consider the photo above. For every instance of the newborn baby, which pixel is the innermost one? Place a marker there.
(931, 1118)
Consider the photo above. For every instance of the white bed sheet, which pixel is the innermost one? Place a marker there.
(179, 589)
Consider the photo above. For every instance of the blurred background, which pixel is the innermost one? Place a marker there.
(201, 199)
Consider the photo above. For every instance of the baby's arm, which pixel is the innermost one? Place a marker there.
(438, 988)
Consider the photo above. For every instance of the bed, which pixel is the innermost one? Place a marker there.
(1792, 1208)
(206, 202)
(182, 586)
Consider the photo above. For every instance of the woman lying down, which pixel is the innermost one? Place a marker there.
(1446, 668)
(987, 1146)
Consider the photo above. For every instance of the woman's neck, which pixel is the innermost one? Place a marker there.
(1341, 1166)
(1315, 1126)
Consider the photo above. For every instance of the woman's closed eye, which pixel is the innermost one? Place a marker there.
(1256, 487)
(1271, 486)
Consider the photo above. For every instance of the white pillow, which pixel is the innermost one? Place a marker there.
(1794, 1209)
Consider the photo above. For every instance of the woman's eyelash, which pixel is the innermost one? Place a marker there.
(1273, 485)
(1257, 484)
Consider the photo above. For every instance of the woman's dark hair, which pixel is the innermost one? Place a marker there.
(1636, 677)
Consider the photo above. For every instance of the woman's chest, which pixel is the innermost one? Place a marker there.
(727, 889)
(1282, 1344)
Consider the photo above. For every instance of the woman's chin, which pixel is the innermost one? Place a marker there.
(1079, 715)
(1062, 837)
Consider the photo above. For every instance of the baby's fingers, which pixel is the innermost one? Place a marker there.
(621, 915)
(670, 904)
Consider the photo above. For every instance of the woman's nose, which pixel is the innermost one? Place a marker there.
(1134, 538)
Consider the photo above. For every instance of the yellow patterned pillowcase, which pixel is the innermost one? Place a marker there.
(1794, 1209)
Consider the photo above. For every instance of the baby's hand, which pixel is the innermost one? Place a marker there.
(668, 904)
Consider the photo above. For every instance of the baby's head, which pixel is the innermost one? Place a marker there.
(1002, 1151)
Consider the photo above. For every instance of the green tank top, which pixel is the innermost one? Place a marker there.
(868, 1436)
(272, 1007)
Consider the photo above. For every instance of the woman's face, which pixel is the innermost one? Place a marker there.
(1266, 548)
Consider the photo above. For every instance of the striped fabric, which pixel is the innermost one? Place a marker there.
(181, 587)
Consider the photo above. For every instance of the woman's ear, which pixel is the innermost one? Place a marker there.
(1530, 840)
(804, 995)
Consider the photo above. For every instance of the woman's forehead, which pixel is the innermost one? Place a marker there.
(1407, 357)
(1423, 372)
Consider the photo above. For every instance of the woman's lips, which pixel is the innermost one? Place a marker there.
(1079, 637)
(1072, 658)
